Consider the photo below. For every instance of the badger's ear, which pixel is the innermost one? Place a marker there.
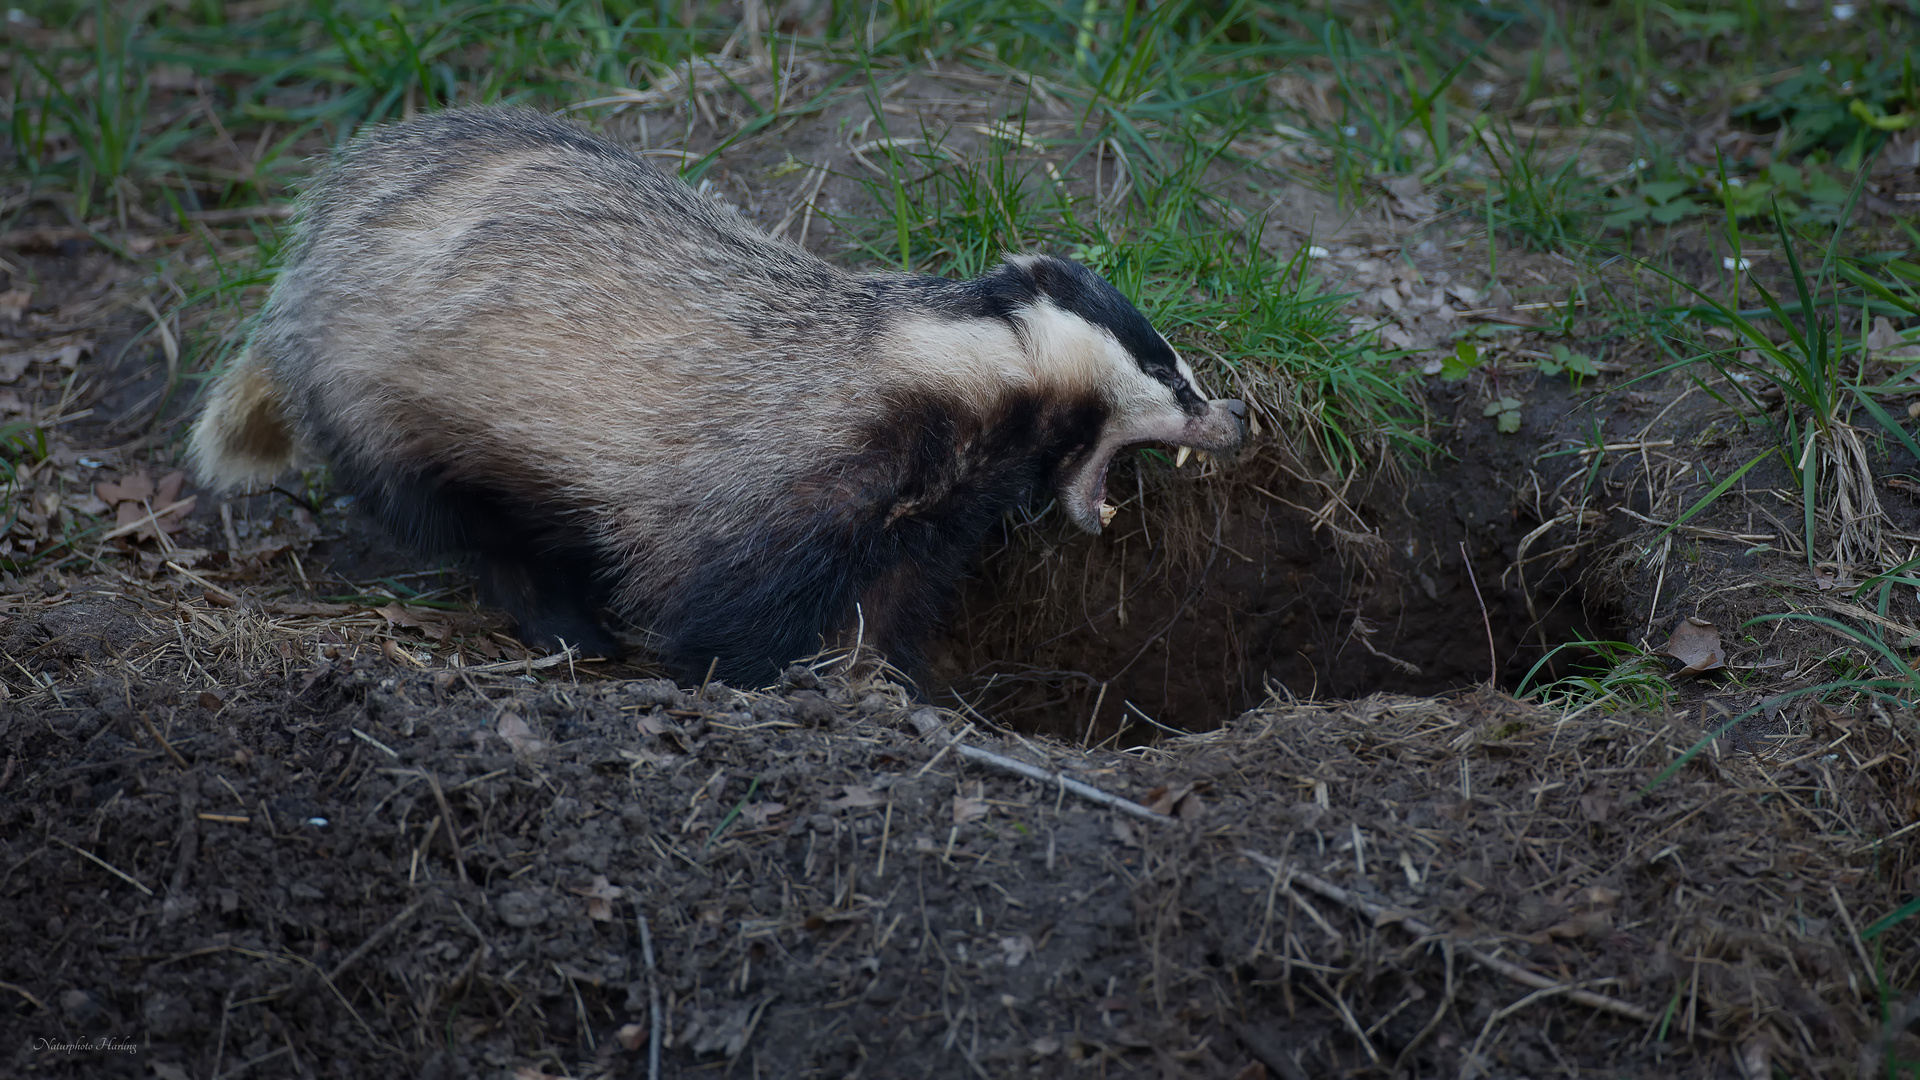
(1050, 276)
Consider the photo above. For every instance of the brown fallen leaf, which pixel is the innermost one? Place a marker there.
(760, 813)
(601, 896)
(966, 809)
(857, 797)
(134, 487)
(136, 497)
(519, 735)
(1883, 336)
(1696, 643)
(14, 303)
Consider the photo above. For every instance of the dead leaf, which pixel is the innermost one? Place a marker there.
(1164, 800)
(601, 896)
(410, 618)
(1599, 896)
(68, 357)
(632, 1036)
(857, 798)
(760, 813)
(392, 651)
(14, 303)
(514, 728)
(87, 504)
(966, 809)
(1409, 197)
(168, 488)
(1696, 643)
(134, 487)
(14, 365)
(10, 404)
(1883, 336)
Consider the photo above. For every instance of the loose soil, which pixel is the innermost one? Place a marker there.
(277, 800)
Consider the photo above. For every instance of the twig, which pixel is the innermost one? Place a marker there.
(152, 518)
(566, 656)
(1382, 914)
(1034, 772)
(653, 990)
(377, 937)
(1588, 451)
(232, 600)
(162, 739)
(25, 993)
(375, 743)
(1493, 658)
(453, 830)
(102, 863)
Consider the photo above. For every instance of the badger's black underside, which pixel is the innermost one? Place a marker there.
(868, 547)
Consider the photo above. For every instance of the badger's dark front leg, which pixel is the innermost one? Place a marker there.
(781, 596)
(553, 602)
(534, 564)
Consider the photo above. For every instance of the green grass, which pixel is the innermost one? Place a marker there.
(1613, 676)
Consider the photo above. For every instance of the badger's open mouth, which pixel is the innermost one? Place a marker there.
(1105, 510)
(1084, 490)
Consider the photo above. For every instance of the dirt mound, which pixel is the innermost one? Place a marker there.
(354, 868)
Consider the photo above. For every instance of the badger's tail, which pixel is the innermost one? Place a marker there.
(243, 436)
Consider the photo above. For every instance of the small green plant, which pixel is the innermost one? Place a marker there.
(1839, 104)
(1578, 366)
(1656, 202)
(1505, 412)
(1462, 362)
(1613, 675)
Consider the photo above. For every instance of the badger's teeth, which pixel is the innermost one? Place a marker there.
(1107, 510)
(1181, 458)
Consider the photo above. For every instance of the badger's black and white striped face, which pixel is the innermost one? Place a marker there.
(1082, 333)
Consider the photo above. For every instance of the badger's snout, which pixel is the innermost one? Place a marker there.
(1221, 430)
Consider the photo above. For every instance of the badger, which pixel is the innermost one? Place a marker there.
(514, 339)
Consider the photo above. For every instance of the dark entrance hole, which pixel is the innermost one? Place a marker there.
(1227, 589)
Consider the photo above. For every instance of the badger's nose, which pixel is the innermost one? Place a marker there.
(1238, 410)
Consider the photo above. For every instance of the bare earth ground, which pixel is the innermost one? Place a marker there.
(275, 801)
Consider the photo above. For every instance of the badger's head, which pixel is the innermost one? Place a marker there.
(1080, 333)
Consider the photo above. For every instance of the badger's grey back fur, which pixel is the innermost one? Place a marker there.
(514, 338)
